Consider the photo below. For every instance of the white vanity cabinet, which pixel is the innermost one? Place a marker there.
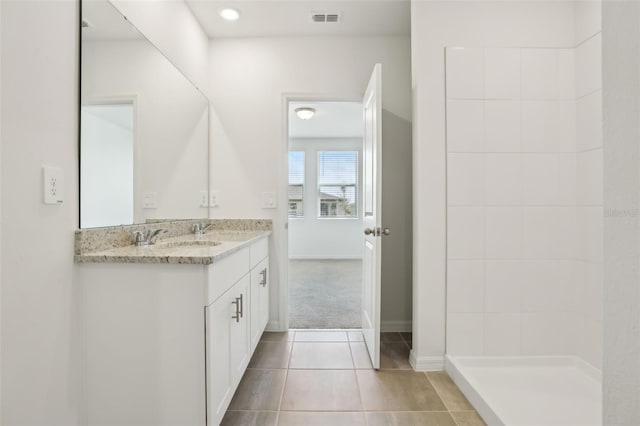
(168, 344)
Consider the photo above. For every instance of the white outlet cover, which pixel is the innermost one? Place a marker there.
(53, 185)
(269, 200)
(214, 198)
(150, 200)
(204, 199)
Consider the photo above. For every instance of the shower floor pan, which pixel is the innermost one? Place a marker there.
(530, 391)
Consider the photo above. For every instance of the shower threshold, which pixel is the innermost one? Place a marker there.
(530, 391)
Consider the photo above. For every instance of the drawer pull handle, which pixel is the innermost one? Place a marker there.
(263, 283)
(241, 306)
(238, 314)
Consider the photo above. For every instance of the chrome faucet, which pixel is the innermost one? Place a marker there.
(200, 228)
(144, 238)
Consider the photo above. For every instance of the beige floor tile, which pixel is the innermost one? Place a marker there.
(449, 392)
(321, 390)
(397, 390)
(391, 337)
(324, 355)
(361, 358)
(271, 355)
(468, 418)
(250, 418)
(356, 336)
(394, 355)
(278, 336)
(259, 390)
(321, 336)
(413, 418)
(298, 418)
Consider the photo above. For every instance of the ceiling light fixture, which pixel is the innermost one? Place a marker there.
(305, 113)
(230, 14)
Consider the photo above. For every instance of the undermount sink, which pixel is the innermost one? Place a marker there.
(194, 243)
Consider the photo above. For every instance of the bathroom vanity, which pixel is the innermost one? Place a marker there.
(170, 328)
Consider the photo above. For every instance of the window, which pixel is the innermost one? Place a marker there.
(337, 183)
(296, 183)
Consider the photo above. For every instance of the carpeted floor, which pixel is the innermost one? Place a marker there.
(325, 293)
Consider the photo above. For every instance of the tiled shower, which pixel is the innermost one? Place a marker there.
(524, 200)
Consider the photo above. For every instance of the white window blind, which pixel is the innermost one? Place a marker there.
(337, 183)
(296, 183)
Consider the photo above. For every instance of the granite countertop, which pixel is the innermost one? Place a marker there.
(174, 249)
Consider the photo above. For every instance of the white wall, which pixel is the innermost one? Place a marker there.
(511, 195)
(436, 25)
(171, 133)
(184, 43)
(41, 330)
(250, 78)
(621, 123)
(311, 237)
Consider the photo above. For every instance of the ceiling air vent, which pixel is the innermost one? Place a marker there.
(326, 17)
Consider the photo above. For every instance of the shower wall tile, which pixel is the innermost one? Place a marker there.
(548, 286)
(548, 334)
(548, 126)
(590, 224)
(549, 179)
(549, 233)
(589, 345)
(589, 121)
(566, 74)
(502, 334)
(465, 281)
(465, 334)
(502, 126)
(539, 74)
(589, 70)
(504, 233)
(466, 232)
(465, 73)
(502, 73)
(465, 126)
(592, 291)
(465, 179)
(503, 174)
(503, 286)
(589, 178)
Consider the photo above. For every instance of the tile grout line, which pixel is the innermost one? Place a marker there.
(438, 393)
(286, 376)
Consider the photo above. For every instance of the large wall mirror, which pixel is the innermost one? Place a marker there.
(144, 128)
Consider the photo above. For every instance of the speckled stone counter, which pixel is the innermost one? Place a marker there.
(177, 246)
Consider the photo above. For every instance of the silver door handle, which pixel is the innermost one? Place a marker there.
(369, 231)
(241, 306)
(263, 283)
(386, 231)
(237, 302)
(377, 231)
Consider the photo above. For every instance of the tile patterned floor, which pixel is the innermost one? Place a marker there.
(324, 378)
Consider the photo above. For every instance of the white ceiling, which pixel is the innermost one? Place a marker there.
(331, 120)
(264, 18)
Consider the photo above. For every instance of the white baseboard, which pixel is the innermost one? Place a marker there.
(325, 257)
(393, 325)
(426, 363)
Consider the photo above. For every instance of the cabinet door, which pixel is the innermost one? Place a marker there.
(259, 300)
(239, 329)
(219, 376)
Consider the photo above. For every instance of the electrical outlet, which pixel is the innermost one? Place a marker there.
(269, 200)
(150, 200)
(53, 180)
(204, 199)
(214, 198)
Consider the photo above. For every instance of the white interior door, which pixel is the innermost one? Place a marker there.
(372, 168)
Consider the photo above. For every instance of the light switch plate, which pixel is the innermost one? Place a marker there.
(204, 199)
(150, 200)
(269, 200)
(53, 180)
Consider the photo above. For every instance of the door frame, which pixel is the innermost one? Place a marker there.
(283, 186)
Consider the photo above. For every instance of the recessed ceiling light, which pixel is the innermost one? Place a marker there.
(305, 113)
(230, 14)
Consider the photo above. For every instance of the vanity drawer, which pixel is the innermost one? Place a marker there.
(225, 273)
(259, 250)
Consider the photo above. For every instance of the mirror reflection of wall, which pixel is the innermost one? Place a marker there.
(107, 164)
(165, 171)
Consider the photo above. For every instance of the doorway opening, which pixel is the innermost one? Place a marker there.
(325, 215)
